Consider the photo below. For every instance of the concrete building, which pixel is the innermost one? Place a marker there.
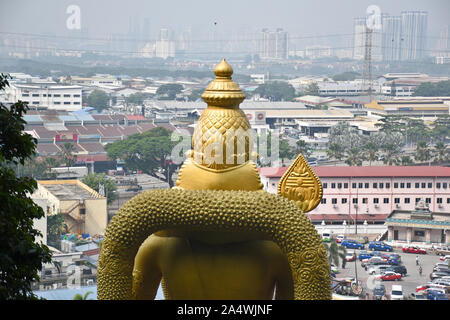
(50, 96)
(391, 37)
(83, 209)
(273, 44)
(164, 47)
(419, 225)
(414, 35)
(408, 107)
(372, 193)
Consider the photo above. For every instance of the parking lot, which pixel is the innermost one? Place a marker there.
(409, 283)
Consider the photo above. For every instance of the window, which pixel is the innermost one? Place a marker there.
(66, 102)
(25, 94)
(35, 102)
(333, 185)
(386, 200)
(408, 185)
(49, 95)
(439, 200)
(428, 200)
(395, 184)
(438, 185)
(35, 95)
(360, 185)
(345, 185)
(430, 185)
(364, 200)
(407, 200)
(424, 185)
(323, 201)
(388, 185)
(381, 185)
(366, 185)
(76, 102)
(355, 200)
(448, 200)
(375, 200)
(402, 185)
(67, 96)
(334, 200)
(375, 185)
(76, 95)
(344, 200)
(417, 185)
(354, 185)
(56, 102)
(444, 185)
(396, 200)
(56, 95)
(44, 94)
(417, 200)
(325, 185)
(339, 185)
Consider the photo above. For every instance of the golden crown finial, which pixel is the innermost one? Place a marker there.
(223, 69)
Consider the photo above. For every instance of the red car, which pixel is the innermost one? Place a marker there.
(414, 250)
(390, 276)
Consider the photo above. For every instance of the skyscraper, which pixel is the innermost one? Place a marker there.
(414, 32)
(359, 27)
(164, 47)
(391, 37)
(273, 44)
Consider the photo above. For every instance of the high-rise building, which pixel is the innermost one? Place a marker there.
(273, 44)
(164, 47)
(391, 37)
(359, 27)
(414, 32)
(444, 40)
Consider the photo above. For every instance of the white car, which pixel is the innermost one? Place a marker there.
(443, 258)
(339, 238)
(396, 292)
(377, 269)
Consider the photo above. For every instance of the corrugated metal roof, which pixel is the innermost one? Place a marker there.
(32, 118)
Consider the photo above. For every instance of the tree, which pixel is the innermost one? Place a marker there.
(346, 76)
(169, 91)
(371, 149)
(429, 89)
(94, 180)
(335, 151)
(78, 296)
(285, 150)
(302, 147)
(55, 227)
(441, 128)
(440, 152)
(276, 91)
(67, 154)
(353, 156)
(195, 94)
(98, 100)
(20, 256)
(336, 253)
(135, 98)
(312, 89)
(148, 151)
(406, 161)
(423, 152)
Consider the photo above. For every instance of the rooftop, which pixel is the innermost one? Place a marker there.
(69, 189)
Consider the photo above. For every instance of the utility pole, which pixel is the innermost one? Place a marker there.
(366, 87)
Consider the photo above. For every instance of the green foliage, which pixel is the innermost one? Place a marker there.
(285, 150)
(135, 98)
(336, 253)
(441, 128)
(441, 152)
(429, 89)
(346, 76)
(276, 91)
(423, 152)
(78, 296)
(148, 151)
(93, 180)
(20, 256)
(98, 100)
(195, 94)
(302, 147)
(55, 227)
(312, 89)
(67, 154)
(169, 91)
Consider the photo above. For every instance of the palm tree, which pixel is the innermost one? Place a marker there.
(336, 254)
(354, 157)
(80, 297)
(406, 161)
(67, 154)
(371, 149)
(422, 151)
(335, 151)
(391, 153)
(440, 152)
(302, 147)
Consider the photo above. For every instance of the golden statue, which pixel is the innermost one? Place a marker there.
(217, 234)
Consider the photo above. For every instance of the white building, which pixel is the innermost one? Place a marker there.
(50, 96)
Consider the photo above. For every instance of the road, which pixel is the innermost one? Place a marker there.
(409, 282)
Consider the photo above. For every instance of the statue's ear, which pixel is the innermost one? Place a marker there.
(300, 169)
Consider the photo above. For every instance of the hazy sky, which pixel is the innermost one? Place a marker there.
(300, 17)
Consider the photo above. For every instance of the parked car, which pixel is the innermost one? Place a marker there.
(398, 269)
(378, 269)
(334, 269)
(421, 288)
(373, 261)
(446, 257)
(396, 292)
(395, 256)
(380, 246)
(441, 282)
(350, 256)
(390, 276)
(379, 292)
(413, 249)
(365, 255)
(352, 244)
(381, 255)
(419, 296)
(393, 261)
(436, 295)
(339, 238)
(438, 274)
(441, 269)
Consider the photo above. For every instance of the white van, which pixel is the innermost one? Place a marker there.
(396, 292)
